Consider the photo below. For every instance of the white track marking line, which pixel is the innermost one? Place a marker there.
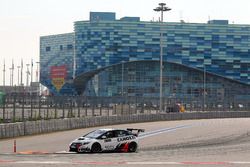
(165, 130)
(239, 162)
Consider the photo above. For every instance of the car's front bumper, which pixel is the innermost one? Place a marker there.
(79, 148)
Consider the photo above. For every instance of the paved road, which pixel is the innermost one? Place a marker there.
(216, 142)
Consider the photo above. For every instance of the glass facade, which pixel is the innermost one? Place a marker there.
(222, 49)
(180, 83)
(121, 57)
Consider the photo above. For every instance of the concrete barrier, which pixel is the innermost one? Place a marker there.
(11, 130)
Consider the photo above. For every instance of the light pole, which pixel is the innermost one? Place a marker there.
(161, 8)
(31, 75)
(12, 73)
(204, 87)
(18, 67)
(37, 71)
(22, 72)
(122, 77)
(74, 57)
(27, 75)
(10, 76)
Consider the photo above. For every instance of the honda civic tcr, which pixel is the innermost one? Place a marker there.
(104, 140)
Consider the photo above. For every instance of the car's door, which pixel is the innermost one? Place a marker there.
(108, 141)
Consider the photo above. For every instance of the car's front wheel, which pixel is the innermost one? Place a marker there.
(132, 147)
(96, 148)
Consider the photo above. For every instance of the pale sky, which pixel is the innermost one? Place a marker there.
(22, 22)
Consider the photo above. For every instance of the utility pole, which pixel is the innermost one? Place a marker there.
(161, 8)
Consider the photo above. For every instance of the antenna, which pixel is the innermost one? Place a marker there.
(181, 16)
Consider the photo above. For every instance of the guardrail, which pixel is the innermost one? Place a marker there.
(12, 130)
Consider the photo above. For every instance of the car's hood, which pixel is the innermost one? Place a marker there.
(83, 139)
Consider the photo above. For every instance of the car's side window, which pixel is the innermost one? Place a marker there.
(120, 133)
(109, 134)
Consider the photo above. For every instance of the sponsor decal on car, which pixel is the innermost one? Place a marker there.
(125, 138)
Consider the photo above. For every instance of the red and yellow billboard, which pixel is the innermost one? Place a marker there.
(58, 75)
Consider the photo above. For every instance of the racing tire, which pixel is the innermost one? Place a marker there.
(132, 147)
(96, 148)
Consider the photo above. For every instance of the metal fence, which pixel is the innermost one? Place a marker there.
(16, 108)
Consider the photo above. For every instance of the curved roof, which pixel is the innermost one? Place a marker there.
(81, 80)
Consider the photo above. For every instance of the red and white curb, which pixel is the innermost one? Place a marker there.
(124, 163)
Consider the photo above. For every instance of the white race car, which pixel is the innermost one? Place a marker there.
(104, 140)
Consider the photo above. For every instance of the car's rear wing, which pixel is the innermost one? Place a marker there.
(138, 130)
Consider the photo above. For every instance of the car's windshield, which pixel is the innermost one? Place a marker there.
(95, 134)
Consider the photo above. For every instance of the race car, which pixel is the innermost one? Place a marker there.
(105, 140)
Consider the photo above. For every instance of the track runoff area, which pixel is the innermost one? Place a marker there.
(156, 136)
(131, 163)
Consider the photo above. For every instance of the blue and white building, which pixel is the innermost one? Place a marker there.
(106, 56)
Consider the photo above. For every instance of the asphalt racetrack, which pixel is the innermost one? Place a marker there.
(215, 142)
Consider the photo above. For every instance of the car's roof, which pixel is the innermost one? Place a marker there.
(109, 129)
(106, 129)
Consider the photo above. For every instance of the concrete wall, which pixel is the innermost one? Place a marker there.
(45, 126)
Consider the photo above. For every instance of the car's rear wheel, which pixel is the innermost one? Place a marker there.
(132, 147)
(96, 148)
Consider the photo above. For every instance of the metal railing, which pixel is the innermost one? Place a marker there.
(16, 108)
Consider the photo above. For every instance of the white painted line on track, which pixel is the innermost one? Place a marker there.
(164, 130)
(239, 162)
